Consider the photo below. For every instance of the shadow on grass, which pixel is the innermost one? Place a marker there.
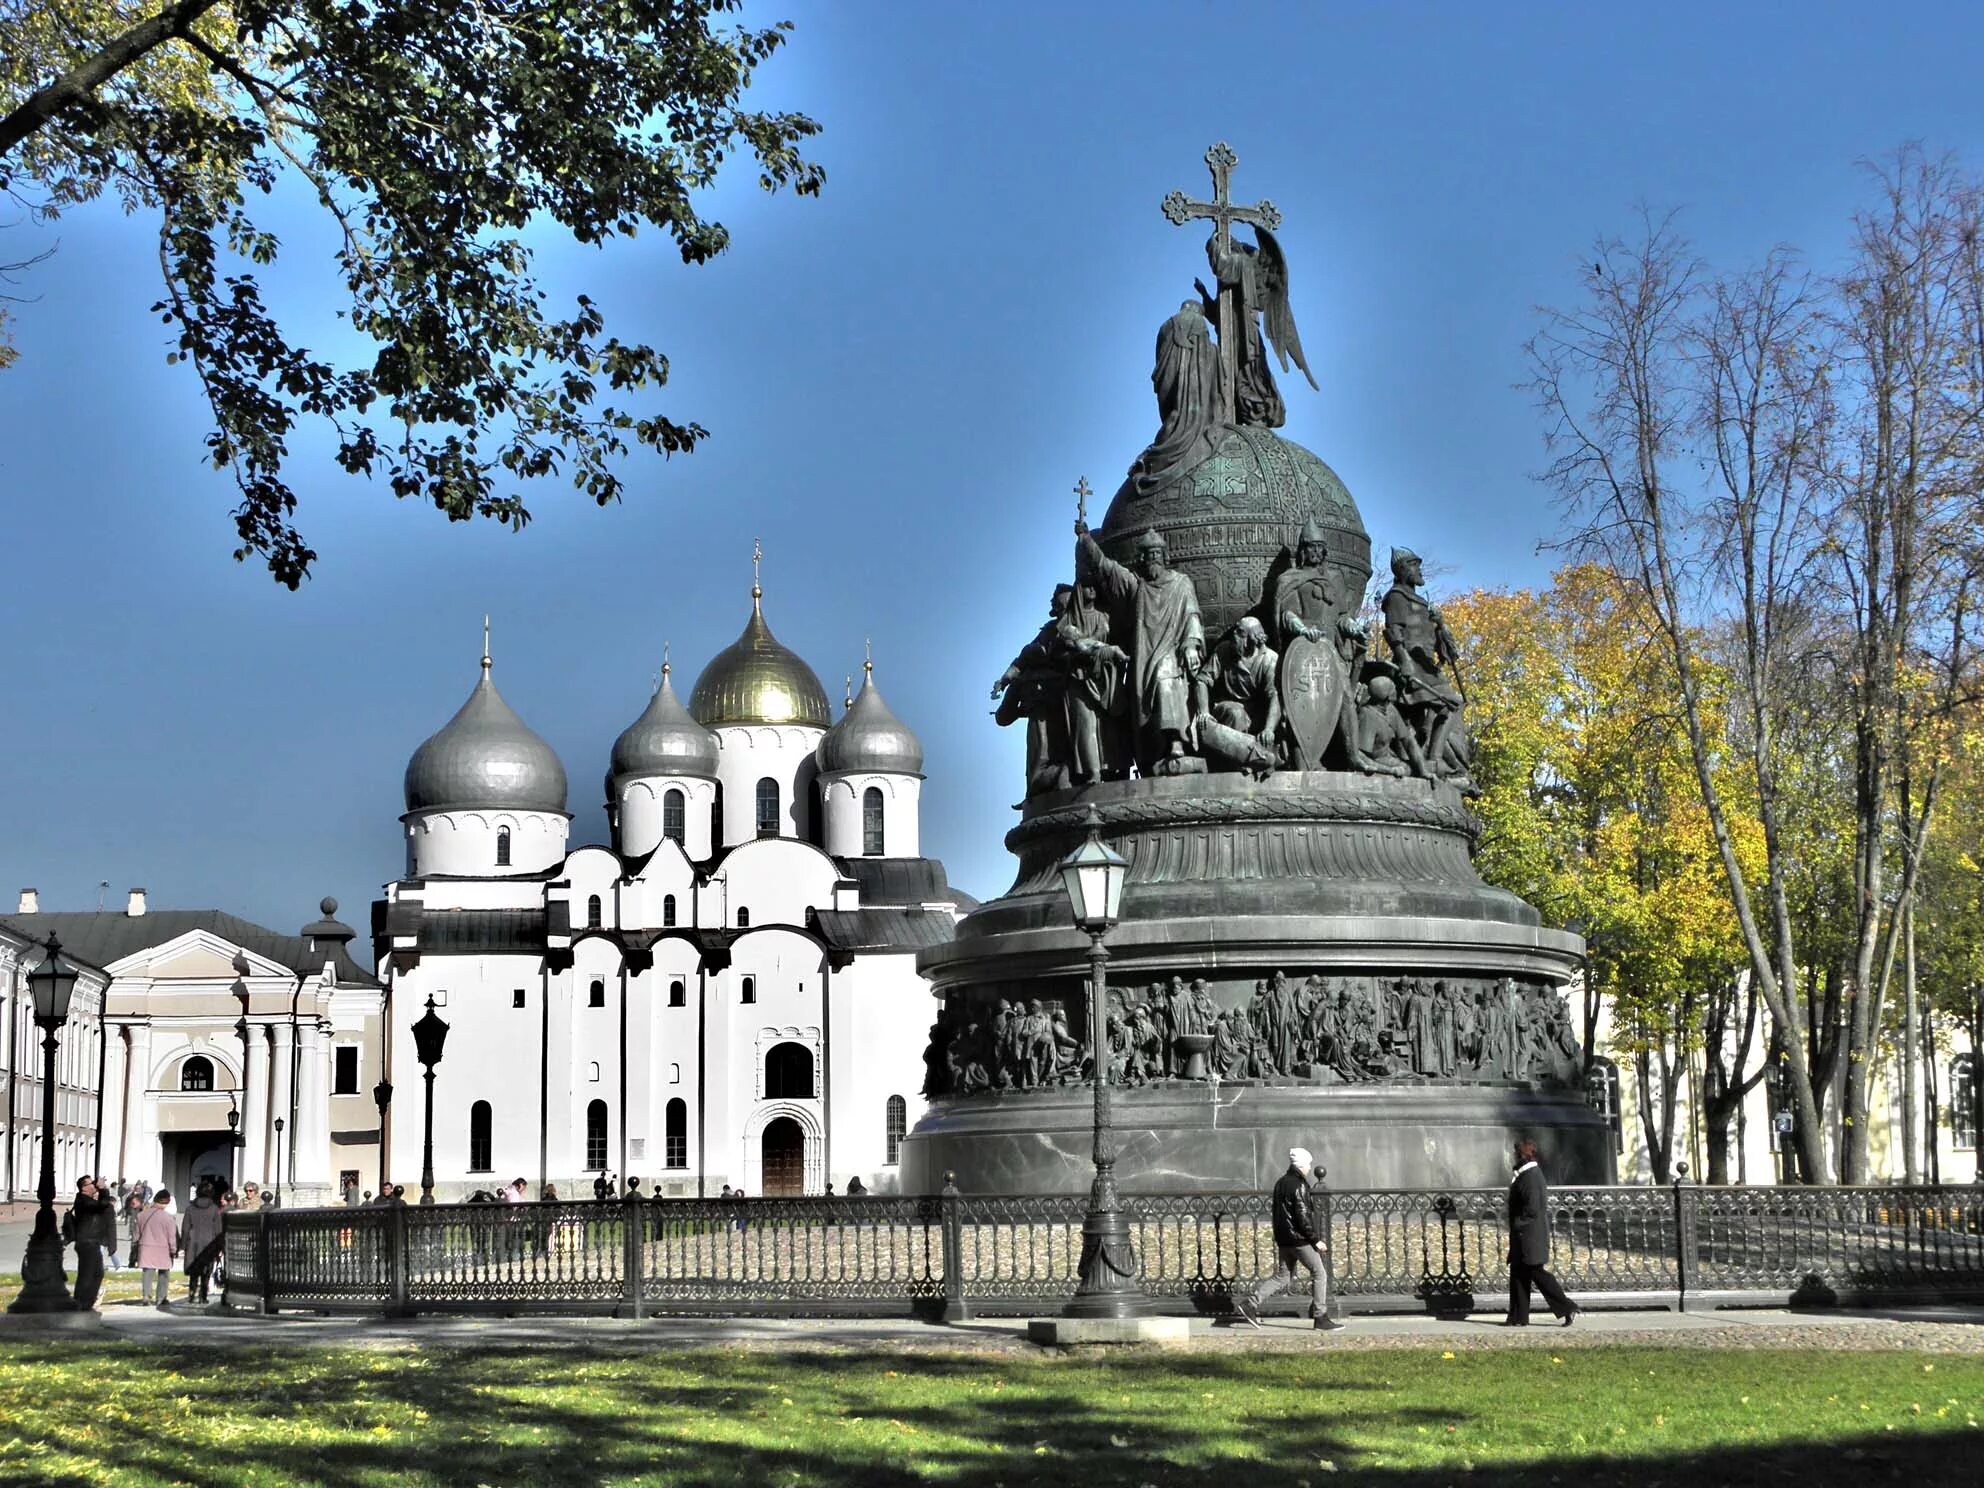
(871, 1419)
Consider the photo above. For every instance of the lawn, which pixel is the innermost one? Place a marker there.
(103, 1411)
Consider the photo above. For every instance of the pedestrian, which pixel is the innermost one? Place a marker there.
(1298, 1245)
(351, 1193)
(602, 1189)
(115, 1203)
(856, 1188)
(134, 1208)
(143, 1189)
(199, 1243)
(154, 1242)
(726, 1193)
(550, 1194)
(1529, 1244)
(91, 1226)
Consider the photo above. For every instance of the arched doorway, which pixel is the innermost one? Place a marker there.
(783, 1172)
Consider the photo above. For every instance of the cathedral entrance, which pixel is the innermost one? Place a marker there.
(784, 1155)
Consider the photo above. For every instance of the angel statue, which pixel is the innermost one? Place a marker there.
(1257, 276)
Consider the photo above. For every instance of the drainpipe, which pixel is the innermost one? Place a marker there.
(702, 1083)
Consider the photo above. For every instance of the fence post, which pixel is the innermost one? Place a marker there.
(631, 1221)
(1687, 1241)
(398, 1262)
(263, 1253)
(957, 1306)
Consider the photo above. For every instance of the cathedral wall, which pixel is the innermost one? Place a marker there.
(640, 814)
(882, 1012)
(782, 752)
(467, 842)
(841, 801)
(644, 900)
(776, 880)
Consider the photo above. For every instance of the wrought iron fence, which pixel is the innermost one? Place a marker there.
(955, 1254)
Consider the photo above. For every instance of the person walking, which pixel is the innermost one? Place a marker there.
(1298, 1243)
(134, 1210)
(199, 1243)
(1529, 1244)
(109, 1195)
(91, 1226)
(154, 1242)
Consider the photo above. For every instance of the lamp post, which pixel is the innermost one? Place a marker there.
(45, 1285)
(382, 1097)
(429, 1034)
(278, 1162)
(1093, 877)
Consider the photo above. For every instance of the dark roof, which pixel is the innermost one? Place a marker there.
(103, 936)
(900, 881)
(883, 929)
(495, 931)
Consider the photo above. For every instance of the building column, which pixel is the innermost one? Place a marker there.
(282, 1046)
(111, 1160)
(313, 1113)
(141, 1149)
(254, 1155)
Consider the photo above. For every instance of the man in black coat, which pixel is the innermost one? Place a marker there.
(1529, 1244)
(90, 1225)
(1299, 1243)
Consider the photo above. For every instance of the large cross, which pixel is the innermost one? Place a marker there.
(1223, 213)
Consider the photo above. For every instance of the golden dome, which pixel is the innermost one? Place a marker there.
(757, 680)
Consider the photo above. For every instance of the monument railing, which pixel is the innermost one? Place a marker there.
(956, 1254)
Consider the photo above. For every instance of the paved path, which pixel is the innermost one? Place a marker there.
(1932, 1329)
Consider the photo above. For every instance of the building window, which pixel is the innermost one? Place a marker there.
(789, 1072)
(768, 807)
(895, 1123)
(596, 1136)
(197, 1073)
(596, 994)
(502, 847)
(592, 1072)
(716, 816)
(871, 822)
(478, 1138)
(344, 1070)
(743, 918)
(592, 912)
(668, 912)
(677, 1153)
(678, 995)
(1963, 1102)
(675, 1074)
(672, 813)
(517, 998)
(750, 992)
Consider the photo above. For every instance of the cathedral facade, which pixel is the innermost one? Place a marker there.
(726, 994)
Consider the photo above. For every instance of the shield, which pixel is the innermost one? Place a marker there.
(1313, 679)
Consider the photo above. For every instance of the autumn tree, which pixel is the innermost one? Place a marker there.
(430, 134)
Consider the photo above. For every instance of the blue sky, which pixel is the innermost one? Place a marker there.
(903, 379)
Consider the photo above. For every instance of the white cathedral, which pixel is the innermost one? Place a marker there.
(725, 995)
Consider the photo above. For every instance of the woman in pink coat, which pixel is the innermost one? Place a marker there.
(154, 1242)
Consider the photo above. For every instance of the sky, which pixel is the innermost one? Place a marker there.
(903, 381)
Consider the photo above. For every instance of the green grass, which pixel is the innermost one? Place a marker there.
(103, 1411)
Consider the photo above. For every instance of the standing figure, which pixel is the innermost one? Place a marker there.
(1300, 1246)
(1035, 687)
(1186, 381)
(1420, 1033)
(1258, 278)
(1422, 648)
(1529, 1244)
(1093, 670)
(1157, 612)
(91, 1226)
(1318, 677)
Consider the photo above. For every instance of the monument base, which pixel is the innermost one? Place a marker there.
(1181, 1137)
(1065, 1332)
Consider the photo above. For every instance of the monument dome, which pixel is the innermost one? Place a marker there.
(1227, 518)
(485, 758)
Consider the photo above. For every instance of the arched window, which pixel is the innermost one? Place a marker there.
(502, 847)
(596, 1135)
(743, 918)
(676, 1151)
(871, 822)
(789, 1072)
(592, 912)
(716, 816)
(768, 807)
(596, 994)
(197, 1073)
(895, 1123)
(672, 804)
(750, 990)
(667, 911)
(1963, 1102)
(478, 1138)
(678, 995)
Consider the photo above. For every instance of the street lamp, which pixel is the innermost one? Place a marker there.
(45, 1285)
(429, 1034)
(382, 1097)
(278, 1162)
(1093, 878)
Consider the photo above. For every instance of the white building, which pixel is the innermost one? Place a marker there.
(725, 995)
(219, 1048)
(78, 1064)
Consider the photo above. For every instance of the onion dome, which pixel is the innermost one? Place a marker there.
(757, 680)
(664, 740)
(486, 758)
(869, 739)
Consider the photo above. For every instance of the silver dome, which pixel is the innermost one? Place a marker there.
(870, 738)
(664, 740)
(486, 758)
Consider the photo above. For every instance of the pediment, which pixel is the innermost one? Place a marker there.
(198, 955)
